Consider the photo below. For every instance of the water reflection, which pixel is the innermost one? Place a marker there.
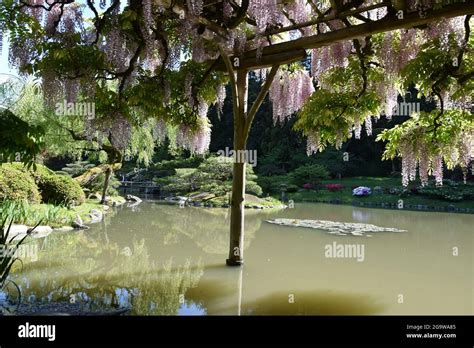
(163, 260)
(361, 215)
(318, 302)
(97, 276)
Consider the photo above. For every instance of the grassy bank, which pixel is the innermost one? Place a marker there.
(411, 198)
(52, 215)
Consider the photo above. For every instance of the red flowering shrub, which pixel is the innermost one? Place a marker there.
(334, 187)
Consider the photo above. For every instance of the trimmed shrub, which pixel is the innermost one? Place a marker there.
(253, 188)
(292, 188)
(312, 174)
(97, 185)
(60, 189)
(36, 172)
(54, 188)
(16, 185)
(214, 175)
(273, 184)
(334, 187)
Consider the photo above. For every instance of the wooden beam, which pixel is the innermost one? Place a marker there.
(319, 20)
(279, 53)
(266, 61)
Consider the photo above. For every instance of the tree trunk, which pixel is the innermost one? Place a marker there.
(236, 247)
(237, 214)
(108, 174)
(242, 124)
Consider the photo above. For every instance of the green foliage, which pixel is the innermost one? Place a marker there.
(330, 112)
(8, 257)
(184, 180)
(17, 185)
(434, 64)
(213, 175)
(450, 192)
(97, 184)
(191, 162)
(56, 140)
(77, 168)
(432, 132)
(54, 188)
(253, 188)
(23, 212)
(312, 174)
(441, 131)
(218, 189)
(292, 188)
(392, 191)
(18, 138)
(60, 189)
(273, 184)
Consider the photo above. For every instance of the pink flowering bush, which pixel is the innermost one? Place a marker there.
(334, 187)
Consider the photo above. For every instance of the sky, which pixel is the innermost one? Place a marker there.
(4, 68)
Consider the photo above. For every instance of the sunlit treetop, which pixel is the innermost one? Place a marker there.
(169, 60)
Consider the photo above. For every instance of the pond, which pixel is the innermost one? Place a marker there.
(159, 259)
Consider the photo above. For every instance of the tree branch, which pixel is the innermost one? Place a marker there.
(260, 98)
(387, 24)
(233, 82)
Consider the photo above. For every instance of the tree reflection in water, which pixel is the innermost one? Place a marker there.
(81, 268)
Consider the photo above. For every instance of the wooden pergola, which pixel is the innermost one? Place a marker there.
(295, 50)
(348, 13)
(275, 55)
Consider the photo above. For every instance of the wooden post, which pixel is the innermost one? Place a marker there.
(108, 174)
(242, 124)
(236, 250)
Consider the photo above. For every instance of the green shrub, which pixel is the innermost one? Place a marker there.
(30, 214)
(76, 168)
(54, 188)
(312, 174)
(60, 189)
(17, 182)
(191, 162)
(292, 188)
(16, 185)
(219, 189)
(36, 172)
(273, 184)
(184, 181)
(452, 192)
(97, 185)
(253, 188)
(214, 175)
(270, 170)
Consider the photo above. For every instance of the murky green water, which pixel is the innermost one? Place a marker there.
(161, 259)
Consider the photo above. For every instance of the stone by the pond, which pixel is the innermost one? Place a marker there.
(335, 227)
(64, 229)
(20, 231)
(378, 190)
(79, 224)
(133, 198)
(41, 231)
(96, 216)
(17, 231)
